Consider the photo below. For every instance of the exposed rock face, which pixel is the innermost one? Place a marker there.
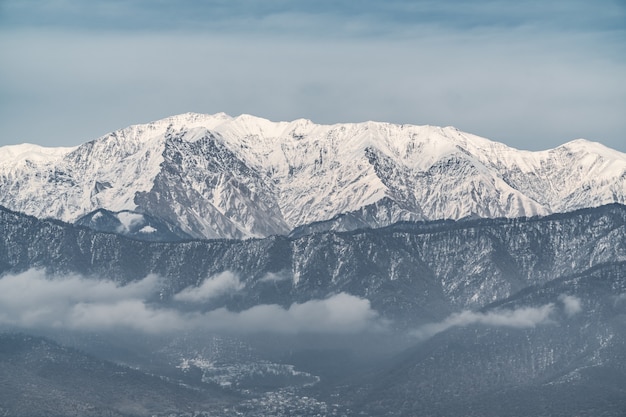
(214, 176)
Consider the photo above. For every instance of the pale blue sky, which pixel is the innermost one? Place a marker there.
(532, 74)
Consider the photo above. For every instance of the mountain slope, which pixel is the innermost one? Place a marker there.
(572, 364)
(217, 176)
(409, 271)
(41, 378)
(545, 297)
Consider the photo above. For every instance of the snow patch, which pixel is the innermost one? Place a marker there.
(31, 152)
(129, 220)
(147, 229)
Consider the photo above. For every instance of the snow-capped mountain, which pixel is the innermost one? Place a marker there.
(132, 224)
(214, 176)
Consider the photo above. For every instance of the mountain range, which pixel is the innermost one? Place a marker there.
(209, 265)
(499, 317)
(217, 176)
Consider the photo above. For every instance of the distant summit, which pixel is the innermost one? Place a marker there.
(217, 176)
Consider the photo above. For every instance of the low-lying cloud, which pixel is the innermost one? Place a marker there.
(523, 317)
(213, 287)
(275, 277)
(571, 305)
(32, 299)
(340, 313)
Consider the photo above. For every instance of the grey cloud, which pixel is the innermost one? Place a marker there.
(241, 15)
(36, 287)
(521, 87)
(213, 287)
(275, 277)
(34, 300)
(571, 305)
(525, 317)
(619, 300)
(123, 314)
(340, 313)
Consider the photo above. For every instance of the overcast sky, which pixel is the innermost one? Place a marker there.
(531, 74)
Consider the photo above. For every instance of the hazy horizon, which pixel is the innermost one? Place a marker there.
(531, 74)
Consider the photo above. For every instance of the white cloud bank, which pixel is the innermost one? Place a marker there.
(275, 277)
(571, 305)
(213, 287)
(524, 317)
(34, 300)
(340, 313)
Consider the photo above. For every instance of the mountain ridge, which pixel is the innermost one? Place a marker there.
(216, 176)
(499, 317)
(419, 267)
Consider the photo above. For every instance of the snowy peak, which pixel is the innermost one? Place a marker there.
(588, 145)
(31, 152)
(216, 176)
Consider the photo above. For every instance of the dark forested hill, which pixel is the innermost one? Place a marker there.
(504, 317)
(406, 270)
